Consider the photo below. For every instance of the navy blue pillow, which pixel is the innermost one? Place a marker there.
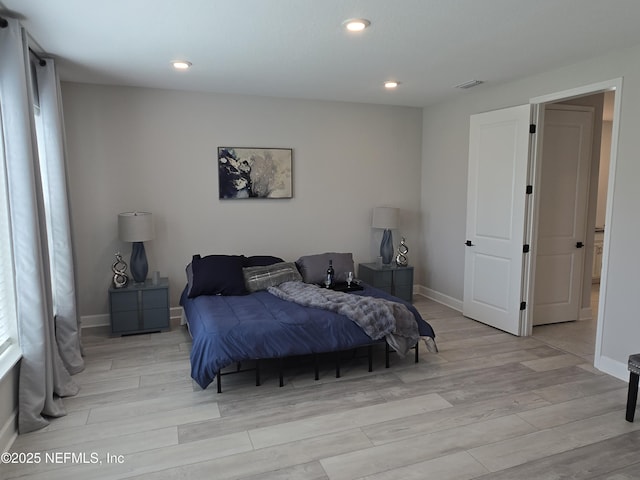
(216, 275)
(261, 261)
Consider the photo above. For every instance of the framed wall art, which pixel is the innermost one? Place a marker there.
(254, 172)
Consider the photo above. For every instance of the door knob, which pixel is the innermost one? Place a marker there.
(468, 243)
(579, 245)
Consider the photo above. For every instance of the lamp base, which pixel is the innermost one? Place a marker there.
(138, 263)
(386, 247)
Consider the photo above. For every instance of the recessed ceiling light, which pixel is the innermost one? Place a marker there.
(356, 24)
(181, 64)
(391, 84)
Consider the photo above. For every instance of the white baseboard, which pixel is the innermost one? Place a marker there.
(439, 297)
(103, 320)
(9, 432)
(90, 321)
(175, 314)
(585, 314)
(612, 367)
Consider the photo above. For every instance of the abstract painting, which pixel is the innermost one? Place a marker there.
(254, 172)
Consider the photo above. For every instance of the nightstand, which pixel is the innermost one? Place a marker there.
(397, 281)
(139, 308)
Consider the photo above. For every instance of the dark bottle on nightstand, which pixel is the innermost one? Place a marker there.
(330, 274)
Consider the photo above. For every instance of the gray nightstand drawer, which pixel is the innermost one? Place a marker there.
(124, 322)
(154, 299)
(124, 301)
(404, 291)
(403, 277)
(156, 318)
(139, 308)
(383, 279)
(397, 281)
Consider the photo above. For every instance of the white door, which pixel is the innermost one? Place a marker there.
(564, 190)
(496, 201)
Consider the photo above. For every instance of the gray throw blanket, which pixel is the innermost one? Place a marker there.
(376, 316)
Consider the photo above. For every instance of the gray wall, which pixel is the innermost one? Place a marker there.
(444, 176)
(155, 150)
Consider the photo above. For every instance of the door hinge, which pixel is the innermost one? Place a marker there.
(525, 248)
(532, 128)
(529, 189)
(523, 305)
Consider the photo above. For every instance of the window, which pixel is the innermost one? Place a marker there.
(9, 350)
(44, 178)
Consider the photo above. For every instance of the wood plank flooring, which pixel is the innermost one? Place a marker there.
(487, 406)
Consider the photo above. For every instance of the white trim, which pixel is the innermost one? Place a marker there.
(9, 432)
(604, 275)
(90, 321)
(175, 315)
(613, 84)
(104, 319)
(439, 297)
(536, 115)
(612, 367)
(602, 363)
(585, 313)
(9, 359)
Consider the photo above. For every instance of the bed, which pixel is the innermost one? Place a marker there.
(235, 323)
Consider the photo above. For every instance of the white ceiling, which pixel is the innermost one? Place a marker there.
(299, 49)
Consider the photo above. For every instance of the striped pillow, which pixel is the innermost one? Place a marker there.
(261, 278)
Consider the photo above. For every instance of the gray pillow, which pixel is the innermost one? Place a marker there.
(314, 267)
(263, 277)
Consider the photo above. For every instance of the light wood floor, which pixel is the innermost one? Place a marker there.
(574, 337)
(488, 406)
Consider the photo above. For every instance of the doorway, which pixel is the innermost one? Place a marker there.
(569, 148)
(578, 335)
(606, 177)
(500, 274)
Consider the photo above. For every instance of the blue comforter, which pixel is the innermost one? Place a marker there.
(228, 329)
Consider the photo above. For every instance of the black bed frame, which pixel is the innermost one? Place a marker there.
(369, 347)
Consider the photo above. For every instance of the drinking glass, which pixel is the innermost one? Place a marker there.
(349, 279)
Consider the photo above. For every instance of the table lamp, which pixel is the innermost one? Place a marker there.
(387, 219)
(136, 227)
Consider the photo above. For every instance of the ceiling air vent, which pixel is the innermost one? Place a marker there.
(469, 84)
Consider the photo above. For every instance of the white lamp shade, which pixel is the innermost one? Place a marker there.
(385, 217)
(135, 227)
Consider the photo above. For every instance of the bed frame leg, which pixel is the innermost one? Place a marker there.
(257, 373)
(417, 357)
(338, 364)
(280, 371)
(386, 355)
(370, 357)
(219, 381)
(316, 366)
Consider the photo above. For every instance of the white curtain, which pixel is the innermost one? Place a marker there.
(59, 226)
(43, 377)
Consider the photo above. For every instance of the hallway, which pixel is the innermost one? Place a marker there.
(577, 337)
